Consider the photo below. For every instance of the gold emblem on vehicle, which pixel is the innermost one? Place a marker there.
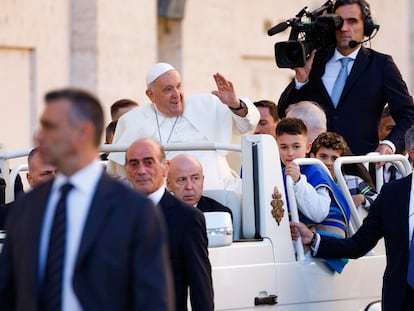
(277, 205)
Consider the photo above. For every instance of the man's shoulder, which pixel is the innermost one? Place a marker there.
(117, 187)
(398, 184)
(374, 55)
(207, 204)
(203, 102)
(140, 111)
(209, 200)
(172, 204)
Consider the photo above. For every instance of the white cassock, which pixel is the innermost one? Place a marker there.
(205, 119)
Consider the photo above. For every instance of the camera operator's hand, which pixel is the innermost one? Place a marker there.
(302, 73)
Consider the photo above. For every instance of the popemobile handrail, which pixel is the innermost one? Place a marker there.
(10, 176)
(399, 160)
(300, 255)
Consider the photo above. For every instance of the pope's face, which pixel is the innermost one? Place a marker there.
(167, 94)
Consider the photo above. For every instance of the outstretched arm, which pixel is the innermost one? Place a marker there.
(226, 93)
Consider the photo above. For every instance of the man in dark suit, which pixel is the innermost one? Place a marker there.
(38, 173)
(373, 81)
(146, 168)
(102, 246)
(390, 216)
(185, 180)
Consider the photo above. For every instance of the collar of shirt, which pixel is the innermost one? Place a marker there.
(156, 196)
(84, 180)
(332, 68)
(337, 55)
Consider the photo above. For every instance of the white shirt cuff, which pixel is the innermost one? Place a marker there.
(298, 85)
(388, 143)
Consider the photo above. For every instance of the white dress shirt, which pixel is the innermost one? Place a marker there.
(332, 68)
(78, 204)
(156, 196)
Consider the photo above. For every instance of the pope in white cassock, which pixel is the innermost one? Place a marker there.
(200, 118)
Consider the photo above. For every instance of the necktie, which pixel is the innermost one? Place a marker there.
(392, 170)
(410, 273)
(340, 81)
(52, 290)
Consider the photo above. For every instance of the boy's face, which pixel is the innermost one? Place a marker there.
(328, 157)
(292, 147)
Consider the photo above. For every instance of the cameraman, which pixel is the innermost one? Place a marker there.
(370, 80)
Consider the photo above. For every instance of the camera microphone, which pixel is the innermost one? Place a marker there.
(278, 28)
(352, 44)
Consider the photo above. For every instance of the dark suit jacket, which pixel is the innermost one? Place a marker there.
(388, 218)
(122, 262)
(373, 81)
(207, 204)
(189, 254)
(4, 212)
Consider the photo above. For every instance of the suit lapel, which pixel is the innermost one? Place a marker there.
(318, 72)
(34, 224)
(99, 209)
(404, 212)
(360, 64)
(166, 203)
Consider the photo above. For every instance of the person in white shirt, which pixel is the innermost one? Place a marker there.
(391, 216)
(82, 237)
(173, 118)
(353, 85)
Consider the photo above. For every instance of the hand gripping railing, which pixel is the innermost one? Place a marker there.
(399, 160)
(293, 207)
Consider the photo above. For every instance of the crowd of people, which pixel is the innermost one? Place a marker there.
(154, 258)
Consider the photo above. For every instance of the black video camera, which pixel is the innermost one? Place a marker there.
(318, 32)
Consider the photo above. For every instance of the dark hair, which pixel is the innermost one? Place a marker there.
(291, 126)
(85, 107)
(386, 112)
(334, 141)
(122, 103)
(110, 130)
(365, 8)
(272, 108)
(366, 17)
(330, 140)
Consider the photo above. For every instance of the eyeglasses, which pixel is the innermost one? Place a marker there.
(195, 179)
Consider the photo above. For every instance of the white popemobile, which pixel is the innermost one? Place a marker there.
(256, 266)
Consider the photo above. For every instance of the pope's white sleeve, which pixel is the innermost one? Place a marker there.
(250, 121)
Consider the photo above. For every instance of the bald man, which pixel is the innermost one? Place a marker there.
(311, 114)
(185, 180)
(39, 171)
(146, 167)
